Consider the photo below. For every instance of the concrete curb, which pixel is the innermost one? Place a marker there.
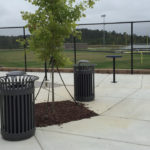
(70, 70)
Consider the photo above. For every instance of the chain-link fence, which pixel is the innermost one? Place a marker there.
(11, 52)
(129, 39)
(103, 40)
(14, 54)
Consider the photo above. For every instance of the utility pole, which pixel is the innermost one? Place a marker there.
(103, 16)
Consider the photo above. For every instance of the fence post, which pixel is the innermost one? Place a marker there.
(132, 67)
(25, 57)
(75, 50)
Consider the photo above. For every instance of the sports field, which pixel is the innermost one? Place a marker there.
(15, 58)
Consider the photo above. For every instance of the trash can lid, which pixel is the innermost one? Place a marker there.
(16, 73)
(84, 63)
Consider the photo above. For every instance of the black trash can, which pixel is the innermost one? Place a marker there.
(17, 106)
(84, 86)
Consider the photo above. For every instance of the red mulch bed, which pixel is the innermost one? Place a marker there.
(65, 111)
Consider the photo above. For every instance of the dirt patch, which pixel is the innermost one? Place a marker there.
(65, 111)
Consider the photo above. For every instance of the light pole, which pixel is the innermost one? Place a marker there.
(103, 16)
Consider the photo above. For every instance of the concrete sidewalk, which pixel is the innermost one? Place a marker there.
(123, 122)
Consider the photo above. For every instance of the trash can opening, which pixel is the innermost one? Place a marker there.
(16, 73)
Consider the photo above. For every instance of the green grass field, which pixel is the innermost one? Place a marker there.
(15, 58)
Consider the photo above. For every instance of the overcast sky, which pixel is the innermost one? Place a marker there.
(115, 10)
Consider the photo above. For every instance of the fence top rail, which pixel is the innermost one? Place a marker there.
(125, 22)
(12, 27)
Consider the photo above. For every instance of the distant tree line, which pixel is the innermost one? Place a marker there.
(92, 37)
(95, 37)
(9, 42)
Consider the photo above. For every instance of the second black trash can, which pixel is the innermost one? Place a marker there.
(84, 86)
(17, 106)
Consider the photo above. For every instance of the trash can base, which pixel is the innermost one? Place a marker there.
(85, 99)
(18, 137)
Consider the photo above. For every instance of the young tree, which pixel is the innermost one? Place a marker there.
(51, 24)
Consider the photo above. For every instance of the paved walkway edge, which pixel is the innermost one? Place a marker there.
(70, 70)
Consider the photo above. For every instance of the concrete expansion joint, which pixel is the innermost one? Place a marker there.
(141, 86)
(102, 81)
(113, 116)
(122, 100)
(38, 142)
(98, 138)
